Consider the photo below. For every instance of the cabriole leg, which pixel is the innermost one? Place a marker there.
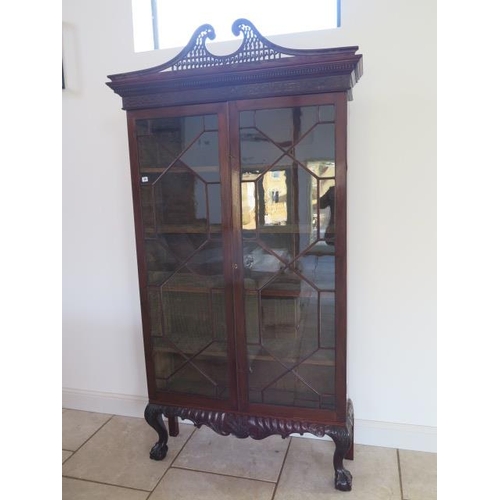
(343, 441)
(343, 438)
(350, 453)
(154, 417)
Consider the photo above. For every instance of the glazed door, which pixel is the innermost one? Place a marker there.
(179, 168)
(289, 161)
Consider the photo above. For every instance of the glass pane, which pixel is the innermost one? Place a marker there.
(252, 318)
(258, 151)
(327, 212)
(182, 220)
(248, 202)
(277, 125)
(272, 199)
(155, 311)
(179, 194)
(318, 144)
(202, 156)
(191, 354)
(291, 390)
(159, 141)
(308, 118)
(161, 260)
(289, 257)
(327, 113)
(327, 320)
(214, 214)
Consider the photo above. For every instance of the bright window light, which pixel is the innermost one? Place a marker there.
(175, 28)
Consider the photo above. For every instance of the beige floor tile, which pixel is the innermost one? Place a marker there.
(78, 426)
(119, 454)
(66, 454)
(182, 484)
(208, 451)
(418, 475)
(308, 473)
(74, 489)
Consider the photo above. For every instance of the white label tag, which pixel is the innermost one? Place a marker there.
(144, 179)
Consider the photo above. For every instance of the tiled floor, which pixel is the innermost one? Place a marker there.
(106, 457)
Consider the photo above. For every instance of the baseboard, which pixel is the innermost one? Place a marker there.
(367, 432)
(104, 402)
(395, 435)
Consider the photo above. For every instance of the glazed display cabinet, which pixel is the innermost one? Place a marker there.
(239, 185)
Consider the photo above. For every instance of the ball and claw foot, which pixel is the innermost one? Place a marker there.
(158, 451)
(343, 480)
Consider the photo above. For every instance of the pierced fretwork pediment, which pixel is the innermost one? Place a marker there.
(254, 48)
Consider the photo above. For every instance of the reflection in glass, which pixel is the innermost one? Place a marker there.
(259, 151)
(273, 200)
(287, 176)
(248, 202)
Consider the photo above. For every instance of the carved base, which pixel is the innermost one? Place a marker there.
(243, 426)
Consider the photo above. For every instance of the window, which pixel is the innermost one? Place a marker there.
(159, 24)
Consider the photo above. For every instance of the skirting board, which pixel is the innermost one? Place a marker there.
(367, 432)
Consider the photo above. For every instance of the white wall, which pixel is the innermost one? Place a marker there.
(392, 213)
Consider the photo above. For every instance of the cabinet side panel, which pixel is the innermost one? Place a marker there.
(341, 251)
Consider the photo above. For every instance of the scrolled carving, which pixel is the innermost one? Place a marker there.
(243, 426)
(254, 48)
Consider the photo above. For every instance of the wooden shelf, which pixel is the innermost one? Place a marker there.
(191, 228)
(178, 170)
(259, 357)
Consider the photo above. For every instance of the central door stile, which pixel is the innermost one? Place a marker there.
(237, 259)
(227, 199)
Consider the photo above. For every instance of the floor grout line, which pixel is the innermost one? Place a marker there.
(173, 466)
(67, 458)
(104, 483)
(118, 485)
(267, 481)
(282, 467)
(92, 435)
(173, 460)
(399, 474)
